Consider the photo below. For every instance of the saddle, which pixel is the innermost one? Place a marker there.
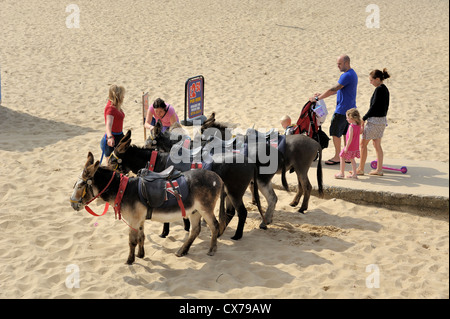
(153, 188)
(184, 159)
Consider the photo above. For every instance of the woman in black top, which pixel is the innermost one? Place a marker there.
(374, 121)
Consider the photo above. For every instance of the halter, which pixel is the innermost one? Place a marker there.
(88, 183)
(118, 160)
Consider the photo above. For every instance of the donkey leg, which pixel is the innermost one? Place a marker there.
(187, 224)
(213, 225)
(271, 198)
(141, 239)
(195, 219)
(242, 215)
(165, 231)
(307, 187)
(132, 241)
(299, 193)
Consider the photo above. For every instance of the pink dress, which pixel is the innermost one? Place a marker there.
(353, 148)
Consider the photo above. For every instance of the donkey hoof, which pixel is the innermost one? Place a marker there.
(181, 253)
(130, 261)
(302, 211)
(293, 204)
(263, 226)
(237, 237)
(212, 252)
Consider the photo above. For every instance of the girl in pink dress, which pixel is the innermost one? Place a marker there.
(351, 149)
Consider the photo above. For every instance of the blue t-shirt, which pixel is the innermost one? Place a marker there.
(346, 97)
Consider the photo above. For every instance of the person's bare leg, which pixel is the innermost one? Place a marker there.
(362, 161)
(380, 156)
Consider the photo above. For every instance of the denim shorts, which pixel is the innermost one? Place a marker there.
(106, 149)
(338, 125)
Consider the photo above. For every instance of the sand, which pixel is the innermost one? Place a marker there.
(260, 60)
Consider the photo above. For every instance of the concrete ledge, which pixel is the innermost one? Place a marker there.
(386, 199)
(425, 187)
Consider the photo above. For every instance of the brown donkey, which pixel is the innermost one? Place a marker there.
(140, 199)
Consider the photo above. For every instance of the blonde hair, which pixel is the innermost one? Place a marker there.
(116, 95)
(354, 115)
(285, 120)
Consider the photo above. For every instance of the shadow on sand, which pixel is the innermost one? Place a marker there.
(23, 132)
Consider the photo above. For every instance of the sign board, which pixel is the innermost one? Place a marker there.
(194, 100)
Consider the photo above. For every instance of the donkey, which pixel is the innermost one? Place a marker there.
(236, 175)
(166, 140)
(204, 189)
(300, 152)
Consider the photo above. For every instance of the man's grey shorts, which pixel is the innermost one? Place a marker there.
(338, 125)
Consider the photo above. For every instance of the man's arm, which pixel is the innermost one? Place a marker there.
(333, 90)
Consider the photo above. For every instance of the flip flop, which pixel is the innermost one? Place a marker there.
(331, 162)
(339, 176)
(351, 177)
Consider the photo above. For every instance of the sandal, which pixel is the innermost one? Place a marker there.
(331, 162)
(376, 173)
(358, 172)
(339, 176)
(351, 177)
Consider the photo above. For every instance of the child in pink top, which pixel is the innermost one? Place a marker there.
(351, 149)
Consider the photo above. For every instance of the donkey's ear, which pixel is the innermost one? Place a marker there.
(208, 122)
(123, 145)
(158, 128)
(96, 166)
(128, 135)
(89, 170)
(90, 159)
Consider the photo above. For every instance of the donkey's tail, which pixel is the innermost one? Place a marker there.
(222, 213)
(256, 194)
(283, 175)
(319, 174)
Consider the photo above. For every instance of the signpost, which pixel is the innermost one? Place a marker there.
(194, 101)
(144, 112)
(0, 86)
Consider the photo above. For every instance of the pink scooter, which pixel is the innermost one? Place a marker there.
(403, 169)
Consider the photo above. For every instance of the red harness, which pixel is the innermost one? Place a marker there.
(151, 164)
(117, 202)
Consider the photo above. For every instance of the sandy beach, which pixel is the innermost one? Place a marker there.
(260, 60)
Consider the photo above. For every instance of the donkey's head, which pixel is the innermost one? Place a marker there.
(115, 160)
(83, 189)
(164, 140)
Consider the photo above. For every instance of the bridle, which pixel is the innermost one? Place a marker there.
(87, 184)
(115, 161)
(152, 139)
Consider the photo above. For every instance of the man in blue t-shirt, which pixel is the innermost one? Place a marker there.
(346, 99)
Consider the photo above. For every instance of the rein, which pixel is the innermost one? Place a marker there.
(89, 210)
(117, 202)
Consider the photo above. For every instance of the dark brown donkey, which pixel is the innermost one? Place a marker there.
(203, 190)
(299, 154)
